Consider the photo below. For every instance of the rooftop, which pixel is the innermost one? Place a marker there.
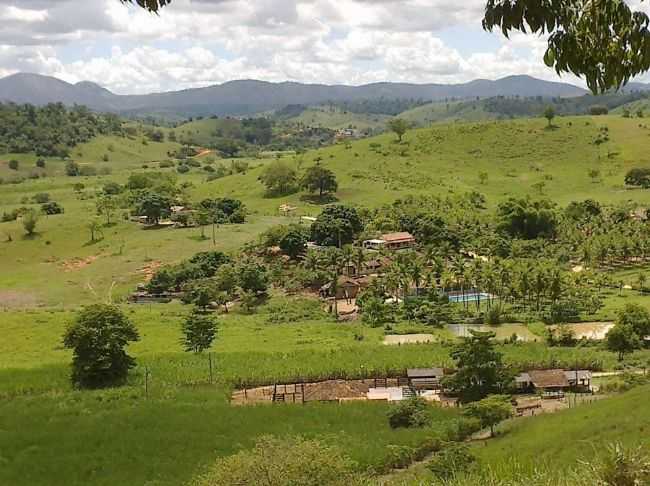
(396, 237)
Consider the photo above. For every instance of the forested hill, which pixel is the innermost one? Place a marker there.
(51, 130)
(249, 96)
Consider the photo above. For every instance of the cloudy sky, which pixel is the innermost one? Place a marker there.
(201, 42)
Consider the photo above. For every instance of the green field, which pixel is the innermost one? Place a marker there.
(51, 434)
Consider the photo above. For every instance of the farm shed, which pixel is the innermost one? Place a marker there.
(553, 383)
(425, 378)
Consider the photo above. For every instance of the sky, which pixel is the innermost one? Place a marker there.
(194, 43)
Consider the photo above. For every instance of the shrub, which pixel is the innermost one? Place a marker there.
(451, 460)
(183, 169)
(72, 169)
(41, 198)
(408, 413)
(52, 208)
(87, 171)
(40, 163)
(639, 176)
(13, 164)
(283, 462)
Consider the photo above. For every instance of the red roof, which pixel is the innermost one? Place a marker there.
(397, 237)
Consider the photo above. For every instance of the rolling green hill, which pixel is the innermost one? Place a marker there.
(336, 118)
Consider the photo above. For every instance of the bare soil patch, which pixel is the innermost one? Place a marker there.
(74, 264)
(12, 299)
(397, 340)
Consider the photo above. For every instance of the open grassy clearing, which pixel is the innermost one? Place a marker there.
(336, 118)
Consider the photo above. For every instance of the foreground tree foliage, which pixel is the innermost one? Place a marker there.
(150, 5)
(97, 338)
(283, 462)
(604, 41)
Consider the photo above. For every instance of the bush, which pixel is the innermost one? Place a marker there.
(451, 460)
(408, 413)
(13, 164)
(87, 171)
(40, 163)
(283, 462)
(41, 198)
(183, 169)
(639, 176)
(72, 169)
(52, 208)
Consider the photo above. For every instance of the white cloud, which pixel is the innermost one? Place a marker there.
(201, 42)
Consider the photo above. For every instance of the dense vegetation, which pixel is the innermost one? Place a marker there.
(51, 130)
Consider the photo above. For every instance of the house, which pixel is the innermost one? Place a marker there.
(398, 241)
(553, 383)
(425, 378)
(391, 241)
(347, 288)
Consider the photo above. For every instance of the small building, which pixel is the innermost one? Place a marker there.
(347, 288)
(554, 383)
(398, 241)
(391, 241)
(425, 378)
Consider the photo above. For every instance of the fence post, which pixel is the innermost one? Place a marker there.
(146, 383)
(210, 364)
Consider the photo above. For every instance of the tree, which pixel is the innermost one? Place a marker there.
(622, 339)
(399, 127)
(95, 229)
(490, 411)
(252, 276)
(481, 371)
(637, 317)
(483, 177)
(150, 5)
(40, 163)
(606, 41)
(288, 461)
(199, 331)
(155, 207)
(279, 178)
(106, 206)
(72, 169)
(337, 225)
(29, 220)
(549, 114)
(97, 338)
(14, 164)
(639, 176)
(318, 178)
(200, 292)
(594, 174)
(528, 219)
(294, 242)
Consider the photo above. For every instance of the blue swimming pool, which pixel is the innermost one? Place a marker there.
(470, 297)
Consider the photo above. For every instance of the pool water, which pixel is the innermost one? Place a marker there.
(470, 297)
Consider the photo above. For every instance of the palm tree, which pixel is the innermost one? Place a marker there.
(347, 254)
(359, 259)
(458, 270)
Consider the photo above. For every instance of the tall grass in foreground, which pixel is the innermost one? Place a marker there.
(247, 369)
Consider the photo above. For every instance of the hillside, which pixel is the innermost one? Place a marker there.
(557, 442)
(248, 96)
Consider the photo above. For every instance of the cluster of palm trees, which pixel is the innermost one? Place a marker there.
(527, 284)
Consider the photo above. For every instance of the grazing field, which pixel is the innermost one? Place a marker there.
(172, 418)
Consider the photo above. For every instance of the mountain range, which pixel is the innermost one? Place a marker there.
(246, 97)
